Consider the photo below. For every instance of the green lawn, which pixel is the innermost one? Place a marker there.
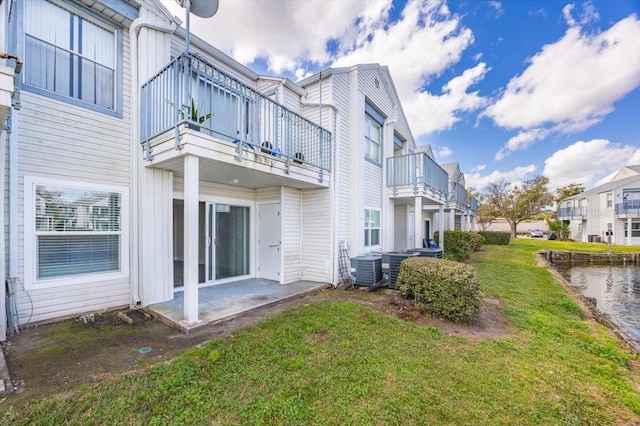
(341, 363)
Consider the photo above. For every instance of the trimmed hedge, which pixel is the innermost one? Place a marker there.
(496, 237)
(458, 245)
(441, 287)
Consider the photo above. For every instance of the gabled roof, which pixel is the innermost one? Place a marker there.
(606, 187)
(627, 171)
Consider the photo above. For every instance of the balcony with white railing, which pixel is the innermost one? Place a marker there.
(192, 107)
(460, 198)
(628, 208)
(417, 175)
(568, 213)
(474, 205)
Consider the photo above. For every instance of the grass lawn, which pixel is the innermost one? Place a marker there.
(341, 363)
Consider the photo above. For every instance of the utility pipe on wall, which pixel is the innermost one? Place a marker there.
(134, 29)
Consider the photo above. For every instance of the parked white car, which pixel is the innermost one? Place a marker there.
(535, 233)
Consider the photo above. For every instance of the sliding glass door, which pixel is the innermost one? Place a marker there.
(223, 243)
(231, 230)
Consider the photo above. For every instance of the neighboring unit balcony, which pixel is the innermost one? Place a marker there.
(474, 206)
(458, 197)
(191, 107)
(417, 175)
(628, 208)
(568, 213)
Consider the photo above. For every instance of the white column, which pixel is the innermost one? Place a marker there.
(452, 219)
(417, 219)
(468, 227)
(441, 226)
(629, 230)
(191, 177)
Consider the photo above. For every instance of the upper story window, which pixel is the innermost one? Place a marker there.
(373, 122)
(609, 199)
(70, 55)
(373, 139)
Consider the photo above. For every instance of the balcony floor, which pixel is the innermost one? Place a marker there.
(225, 301)
(219, 163)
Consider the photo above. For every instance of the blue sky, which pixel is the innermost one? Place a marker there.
(509, 89)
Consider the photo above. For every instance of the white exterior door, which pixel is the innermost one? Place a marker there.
(411, 229)
(269, 241)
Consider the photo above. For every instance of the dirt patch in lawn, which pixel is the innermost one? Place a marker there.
(52, 358)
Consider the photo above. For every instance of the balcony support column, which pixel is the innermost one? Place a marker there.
(468, 214)
(417, 223)
(628, 230)
(191, 231)
(441, 226)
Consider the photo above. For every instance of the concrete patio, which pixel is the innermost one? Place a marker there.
(224, 301)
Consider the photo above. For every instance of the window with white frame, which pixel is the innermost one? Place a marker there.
(371, 227)
(635, 229)
(70, 54)
(75, 229)
(373, 139)
(609, 199)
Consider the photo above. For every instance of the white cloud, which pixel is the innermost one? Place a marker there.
(497, 6)
(588, 162)
(514, 176)
(478, 168)
(429, 113)
(573, 83)
(424, 26)
(521, 141)
(281, 31)
(426, 40)
(444, 152)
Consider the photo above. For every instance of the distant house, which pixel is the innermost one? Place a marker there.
(613, 206)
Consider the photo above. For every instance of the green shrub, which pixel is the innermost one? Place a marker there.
(441, 287)
(458, 245)
(496, 238)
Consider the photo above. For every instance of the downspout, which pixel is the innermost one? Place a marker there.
(134, 29)
(385, 191)
(334, 175)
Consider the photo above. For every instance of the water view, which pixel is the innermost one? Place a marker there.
(615, 288)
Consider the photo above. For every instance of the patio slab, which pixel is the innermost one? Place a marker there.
(221, 302)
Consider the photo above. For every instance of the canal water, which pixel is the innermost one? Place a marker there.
(616, 290)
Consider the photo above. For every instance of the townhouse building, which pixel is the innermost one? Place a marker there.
(612, 207)
(139, 170)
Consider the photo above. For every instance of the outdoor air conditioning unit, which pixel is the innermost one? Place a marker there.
(368, 269)
(426, 252)
(391, 265)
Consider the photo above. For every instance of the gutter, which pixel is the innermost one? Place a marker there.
(134, 29)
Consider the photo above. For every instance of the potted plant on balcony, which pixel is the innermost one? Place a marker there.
(196, 118)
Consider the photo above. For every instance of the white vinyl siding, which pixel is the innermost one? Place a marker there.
(291, 231)
(400, 227)
(75, 144)
(316, 235)
(70, 54)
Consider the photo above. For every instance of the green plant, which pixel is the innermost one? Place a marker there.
(458, 245)
(496, 237)
(195, 115)
(560, 228)
(441, 287)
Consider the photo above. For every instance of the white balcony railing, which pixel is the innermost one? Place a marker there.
(417, 171)
(192, 92)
